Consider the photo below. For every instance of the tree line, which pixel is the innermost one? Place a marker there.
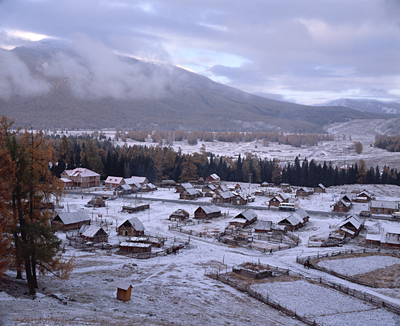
(167, 137)
(159, 163)
(390, 143)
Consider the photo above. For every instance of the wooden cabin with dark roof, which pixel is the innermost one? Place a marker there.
(131, 227)
(70, 221)
(207, 212)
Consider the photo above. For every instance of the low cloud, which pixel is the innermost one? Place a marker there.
(16, 79)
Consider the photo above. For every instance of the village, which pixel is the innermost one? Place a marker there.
(143, 248)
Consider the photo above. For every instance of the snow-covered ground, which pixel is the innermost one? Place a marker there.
(340, 151)
(173, 289)
(318, 302)
(358, 265)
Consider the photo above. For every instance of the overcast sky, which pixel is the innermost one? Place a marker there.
(307, 51)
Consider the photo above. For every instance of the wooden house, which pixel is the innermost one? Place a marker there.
(363, 197)
(131, 227)
(392, 237)
(148, 187)
(167, 184)
(280, 198)
(82, 177)
(320, 188)
(240, 199)
(123, 190)
(124, 291)
(243, 219)
(263, 227)
(179, 215)
(134, 209)
(304, 192)
(292, 222)
(351, 225)
(189, 194)
(208, 190)
(342, 206)
(303, 215)
(223, 197)
(213, 178)
(383, 207)
(136, 183)
(113, 182)
(207, 212)
(183, 186)
(70, 221)
(97, 201)
(95, 234)
(135, 247)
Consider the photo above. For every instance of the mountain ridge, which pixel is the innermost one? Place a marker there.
(83, 89)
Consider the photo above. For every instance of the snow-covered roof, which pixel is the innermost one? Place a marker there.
(125, 187)
(352, 220)
(123, 286)
(302, 213)
(373, 237)
(65, 180)
(210, 209)
(384, 204)
(135, 179)
(263, 225)
(238, 220)
(135, 245)
(214, 176)
(191, 191)
(114, 180)
(226, 194)
(83, 172)
(321, 186)
(134, 221)
(187, 185)
(73, 217)
(392, 229)
(291, 219)
(91, 231)
(248, 214)
(224, 188)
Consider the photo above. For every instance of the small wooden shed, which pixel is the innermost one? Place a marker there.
(124, 291)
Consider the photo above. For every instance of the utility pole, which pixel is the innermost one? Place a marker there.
(250, 183)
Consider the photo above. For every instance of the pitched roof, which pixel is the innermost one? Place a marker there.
(248, 214)
(191, 191)
(83, 172)
(73, 217)
(352, 220)
(384, 204)
(134, 179)
(321, 186)
(135, 222)
(302, 213)
(263, 225)
(114, 180)
(123, 286)
(292, 220)
(92, 231)
(210, 209)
